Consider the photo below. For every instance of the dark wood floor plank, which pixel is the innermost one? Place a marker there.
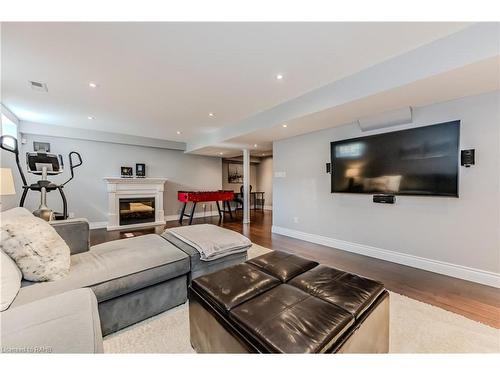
(474, 301)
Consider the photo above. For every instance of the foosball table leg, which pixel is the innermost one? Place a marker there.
(229, 209)
(192, 213)
(218, 208)
(182, 212)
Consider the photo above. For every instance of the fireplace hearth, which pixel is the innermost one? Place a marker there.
(137, 210)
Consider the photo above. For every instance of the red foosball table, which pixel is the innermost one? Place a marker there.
(224, 196)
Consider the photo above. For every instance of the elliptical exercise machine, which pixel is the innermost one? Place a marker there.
(44, 164)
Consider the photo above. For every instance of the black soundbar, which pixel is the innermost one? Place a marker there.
(384, 198)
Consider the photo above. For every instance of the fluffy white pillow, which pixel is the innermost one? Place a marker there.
(10, 280)
(37, 249)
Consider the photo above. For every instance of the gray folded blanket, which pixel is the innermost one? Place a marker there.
(211, 241)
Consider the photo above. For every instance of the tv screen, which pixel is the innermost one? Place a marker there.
(418, 161)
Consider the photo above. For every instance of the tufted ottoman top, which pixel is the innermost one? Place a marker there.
(287, 304)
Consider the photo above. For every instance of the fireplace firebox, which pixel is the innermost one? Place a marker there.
(137, 210)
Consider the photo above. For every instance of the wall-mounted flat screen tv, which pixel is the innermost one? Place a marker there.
(418, 161)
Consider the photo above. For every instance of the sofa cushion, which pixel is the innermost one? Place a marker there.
(351, 292)
(200, 267)
(114, 268)
(75, 232)
(10, 280)
(233, 285)
(65, 323)
(211, 241)
(288, 320)
(39, 252)
(282, 265)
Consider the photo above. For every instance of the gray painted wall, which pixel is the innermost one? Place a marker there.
(87, 196)
(265, 179)
(463, 231)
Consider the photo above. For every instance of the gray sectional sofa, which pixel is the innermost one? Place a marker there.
(63, 323)
(110, 286)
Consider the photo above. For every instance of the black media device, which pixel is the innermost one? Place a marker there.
(417, 161)
(467, 158)
(384, 198)
(140, 170)
(126, 172)
(328, 168)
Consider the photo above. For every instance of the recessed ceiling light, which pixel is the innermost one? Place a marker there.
(279, 77)
(91, 117)
(284, 125)
(178, 132)
(221, 153)
(255, 145)
(263, 154)
(93, 85)
(211, 114)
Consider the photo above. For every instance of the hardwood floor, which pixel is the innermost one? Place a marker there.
(474, 301)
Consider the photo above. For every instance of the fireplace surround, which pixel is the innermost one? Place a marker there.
(135, 202)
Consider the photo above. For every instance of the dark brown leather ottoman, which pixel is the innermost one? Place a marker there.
(282, 303)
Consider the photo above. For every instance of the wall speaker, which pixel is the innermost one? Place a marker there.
(467, 157)
(386, 119)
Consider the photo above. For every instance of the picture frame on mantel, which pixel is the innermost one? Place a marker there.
(126, 172)
(140, 170)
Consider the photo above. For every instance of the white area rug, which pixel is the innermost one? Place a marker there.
(416, 327)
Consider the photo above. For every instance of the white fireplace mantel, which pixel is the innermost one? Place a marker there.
(134, 188)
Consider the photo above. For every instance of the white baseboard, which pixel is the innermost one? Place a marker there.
(449, 269)
(98, 224)
(196, 215)
(104, 224)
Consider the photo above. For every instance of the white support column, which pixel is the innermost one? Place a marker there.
(246, 186)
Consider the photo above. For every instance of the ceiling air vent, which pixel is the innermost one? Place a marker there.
(38, 86)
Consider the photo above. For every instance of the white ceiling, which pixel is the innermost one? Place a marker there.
(473, 79)
(159, 78)
(228, 150)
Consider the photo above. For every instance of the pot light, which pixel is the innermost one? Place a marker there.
(91, 117)
(284, 125)
(178, 132)
(255, 145)
(93, 85)
(279, 77)
(221, 153)
(211, 114)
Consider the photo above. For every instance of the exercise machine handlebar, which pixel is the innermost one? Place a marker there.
(73, 165)
(4, 144)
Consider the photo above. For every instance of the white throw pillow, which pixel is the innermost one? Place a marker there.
(10, 280)
(37, 249)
